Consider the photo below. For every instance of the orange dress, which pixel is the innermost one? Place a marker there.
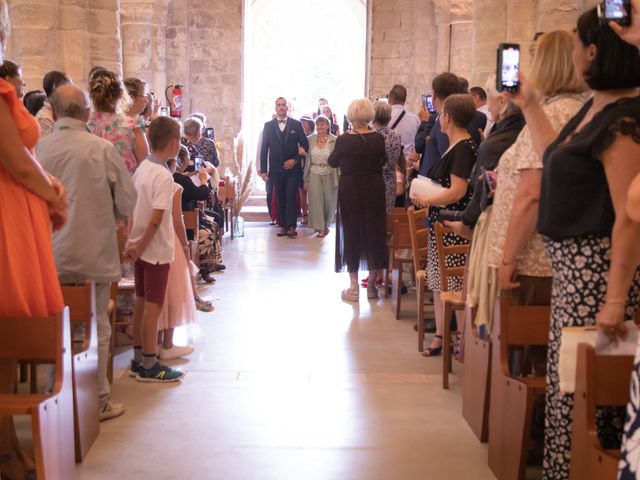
(28, 278)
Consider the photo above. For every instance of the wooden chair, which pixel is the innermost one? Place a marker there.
(601, 380)
(81, 301)
(399, 238)
(451, 301)
(420, 248)
(43, 340)
(226, 194)
(476, 387)
(513, 397)
(192, 224)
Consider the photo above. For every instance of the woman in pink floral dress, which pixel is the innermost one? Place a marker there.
(109, 121)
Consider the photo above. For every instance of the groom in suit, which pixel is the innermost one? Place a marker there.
(281, 138)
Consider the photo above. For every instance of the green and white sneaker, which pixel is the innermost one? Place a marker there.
(134, 368)
(159, 373)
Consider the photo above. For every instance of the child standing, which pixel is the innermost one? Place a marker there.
(151, 248)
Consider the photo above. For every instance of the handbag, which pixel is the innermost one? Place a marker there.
(424, 186)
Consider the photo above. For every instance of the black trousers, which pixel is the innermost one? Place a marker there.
(287, 189)
(269, 188)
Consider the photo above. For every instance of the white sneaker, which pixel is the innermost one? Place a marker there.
(111, 410)
(175, 352)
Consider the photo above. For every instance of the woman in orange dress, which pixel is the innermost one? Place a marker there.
(30, 203)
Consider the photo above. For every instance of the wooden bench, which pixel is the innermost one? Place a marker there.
(513, 397)
(601, 380)
(81, 301)
(43, 340)
(420, 249)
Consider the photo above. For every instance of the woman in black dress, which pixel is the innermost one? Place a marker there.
(360, 222)
(452, 172)
(592, 243)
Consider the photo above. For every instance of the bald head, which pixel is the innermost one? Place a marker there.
(69, 101)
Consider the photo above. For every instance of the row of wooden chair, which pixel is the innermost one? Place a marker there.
(498, 403)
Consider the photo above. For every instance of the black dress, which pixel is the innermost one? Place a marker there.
(458, 161)
(361, 217)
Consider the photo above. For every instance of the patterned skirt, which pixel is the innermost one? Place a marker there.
(580, 272)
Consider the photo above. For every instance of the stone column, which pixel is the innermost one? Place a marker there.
(73, 40)
(34, 38)
(490, 28)
(103, 22)
(143, 32)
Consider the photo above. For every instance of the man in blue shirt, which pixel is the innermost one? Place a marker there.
(430, 142)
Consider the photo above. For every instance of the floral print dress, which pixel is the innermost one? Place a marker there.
(119, 130)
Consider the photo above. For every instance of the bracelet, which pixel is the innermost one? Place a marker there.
(616, 302)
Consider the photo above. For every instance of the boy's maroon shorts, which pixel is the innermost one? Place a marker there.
(151, 280)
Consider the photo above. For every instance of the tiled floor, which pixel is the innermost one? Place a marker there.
(288, 382)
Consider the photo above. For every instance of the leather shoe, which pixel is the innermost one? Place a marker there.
(218, 267)
(208, 278)
(282, 232)
(291, 233)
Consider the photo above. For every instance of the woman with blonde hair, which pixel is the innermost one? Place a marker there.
(320, 179)
(360, 221)
(109, 121)
(30, 203)
(517, 252)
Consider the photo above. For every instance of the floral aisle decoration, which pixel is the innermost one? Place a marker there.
(242, 175)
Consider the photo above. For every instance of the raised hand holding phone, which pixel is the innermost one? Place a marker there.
(631, 33)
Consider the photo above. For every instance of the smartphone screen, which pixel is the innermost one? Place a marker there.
(618, 11)
(430, 107)
(382, 99)
(508, 67)
(208, 132)
(197, 163)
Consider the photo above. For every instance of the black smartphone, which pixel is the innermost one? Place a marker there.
(490, 180)
(208, 132)
(508, 67)
(450, 215)
(618, 11)
(427, 102)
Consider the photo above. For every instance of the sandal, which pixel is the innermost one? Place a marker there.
(203, 305)
(350, 295)
(433, 351)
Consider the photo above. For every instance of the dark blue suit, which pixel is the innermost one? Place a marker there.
(277, 148)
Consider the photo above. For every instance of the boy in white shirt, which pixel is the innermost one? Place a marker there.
(150, 247)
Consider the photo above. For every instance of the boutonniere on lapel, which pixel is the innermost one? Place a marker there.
(292, 132)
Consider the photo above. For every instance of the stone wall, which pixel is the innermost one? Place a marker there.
(68, 35)
(198, 43)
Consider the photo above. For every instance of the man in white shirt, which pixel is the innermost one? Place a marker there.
(479, 97)
(150, 247)
(100, 192)
(403, 122)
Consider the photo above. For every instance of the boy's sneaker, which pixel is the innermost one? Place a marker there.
(134, 368)
(159, 373)
(110, 410)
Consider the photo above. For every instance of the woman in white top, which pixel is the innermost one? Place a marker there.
(320, 179)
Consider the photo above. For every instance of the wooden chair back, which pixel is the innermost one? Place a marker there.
(81, 300)
(521, 326)
(601, 380)
(191, 222)
(397, 214)
(445, 251)
(419, 237)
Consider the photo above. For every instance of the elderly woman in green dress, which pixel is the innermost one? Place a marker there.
(320, 179)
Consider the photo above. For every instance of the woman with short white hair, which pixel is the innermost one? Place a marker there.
(360, 223)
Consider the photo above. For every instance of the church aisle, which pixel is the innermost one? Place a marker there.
(289, 382)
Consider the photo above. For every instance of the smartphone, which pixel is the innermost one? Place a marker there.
(490, 180)
(198, 162)
(163, 112)
(208, 132)
(508, 67)
(382, 99)
(427, 102)
(618, 11)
